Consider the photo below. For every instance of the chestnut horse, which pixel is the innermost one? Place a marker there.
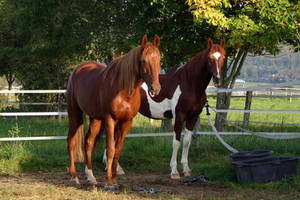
(110, 95)
(183, 97)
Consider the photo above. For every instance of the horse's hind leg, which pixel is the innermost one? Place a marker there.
(95, 126)
(75, 120)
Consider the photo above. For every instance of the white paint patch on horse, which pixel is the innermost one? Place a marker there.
(157, 109)
(217, 55)
(89, 174)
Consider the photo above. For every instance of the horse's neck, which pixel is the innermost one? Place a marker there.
(197, 72)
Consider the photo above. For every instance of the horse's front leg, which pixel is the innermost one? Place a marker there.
(94, 129)
(190, 123)
(185, 152)
(120, 170)
(122, 132)
(110, 124)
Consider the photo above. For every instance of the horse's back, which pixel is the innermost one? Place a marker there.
(83, 84)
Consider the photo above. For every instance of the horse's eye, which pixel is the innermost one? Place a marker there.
(143, 62)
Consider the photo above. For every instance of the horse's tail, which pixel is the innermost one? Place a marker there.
(79, 147)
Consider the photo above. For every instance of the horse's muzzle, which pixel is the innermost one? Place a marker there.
(217, 81)
(154, 90)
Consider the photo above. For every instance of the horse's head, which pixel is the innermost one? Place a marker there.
(150, 62)
(216, 60)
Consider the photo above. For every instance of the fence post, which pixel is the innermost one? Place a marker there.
(247, 107)
(59, 105)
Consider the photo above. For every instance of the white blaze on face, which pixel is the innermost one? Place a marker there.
(217, 56)
(157, 110)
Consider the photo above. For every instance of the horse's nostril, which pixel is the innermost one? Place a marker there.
(151, 88)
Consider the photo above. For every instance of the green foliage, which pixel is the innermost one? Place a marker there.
(41, 40)
(252, 24)
(13, 154)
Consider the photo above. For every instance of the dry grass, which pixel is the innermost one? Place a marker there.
(54, 185)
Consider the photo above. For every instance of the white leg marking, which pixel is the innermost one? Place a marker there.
(75, 181)
(120, 171)
(89, 174)
(185, 151)
(173, 163)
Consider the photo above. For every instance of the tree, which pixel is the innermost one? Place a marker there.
(249, 26)
(43, 39)
(181, 38)
(11, 42)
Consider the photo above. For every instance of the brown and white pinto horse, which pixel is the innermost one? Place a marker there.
(110, 95)
(183, 97)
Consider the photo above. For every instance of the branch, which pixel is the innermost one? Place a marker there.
(236, 74)
(235, 64)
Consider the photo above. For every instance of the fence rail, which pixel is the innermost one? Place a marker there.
(289, 91)
(133, 135)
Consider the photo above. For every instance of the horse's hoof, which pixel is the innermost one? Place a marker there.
(187, 173)
(120, 172)
(74, 181)
(111, 188)
(175, 176)
(92, 182)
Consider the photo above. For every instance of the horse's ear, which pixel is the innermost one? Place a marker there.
(156, 41)
(144, 41)
(209, 43)
(223, 43)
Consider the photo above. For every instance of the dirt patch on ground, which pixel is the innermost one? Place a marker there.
(55, 185)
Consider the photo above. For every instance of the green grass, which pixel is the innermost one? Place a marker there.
(152, 154)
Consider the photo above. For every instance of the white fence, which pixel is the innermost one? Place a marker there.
(238, 91)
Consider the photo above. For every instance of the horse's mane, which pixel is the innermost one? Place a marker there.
(197, 63)
(125, 69)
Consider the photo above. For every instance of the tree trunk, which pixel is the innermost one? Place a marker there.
(223, 99)
(166, 124)
(10, 78)
(197, 137)
(223, 102)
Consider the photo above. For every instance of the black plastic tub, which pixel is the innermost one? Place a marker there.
(262, 170)
(251, 154)
(288, 166)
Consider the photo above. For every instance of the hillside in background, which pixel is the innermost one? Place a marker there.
(266, 69)
(272, 69)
